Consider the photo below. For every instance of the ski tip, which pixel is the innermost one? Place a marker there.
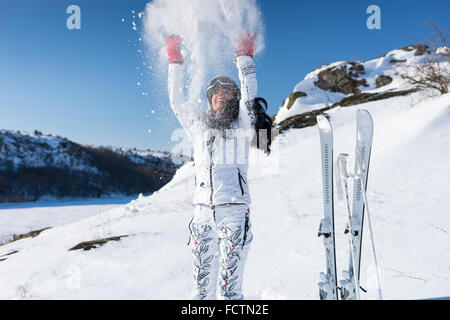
(363, 114)
(323, 122)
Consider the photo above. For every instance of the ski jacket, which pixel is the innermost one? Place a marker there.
(220, 156)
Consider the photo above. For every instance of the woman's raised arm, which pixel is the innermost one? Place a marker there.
(184, 114)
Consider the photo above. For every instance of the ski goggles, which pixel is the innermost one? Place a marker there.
(222, 83)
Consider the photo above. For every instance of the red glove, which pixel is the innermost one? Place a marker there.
(173, 48)
(246, 45)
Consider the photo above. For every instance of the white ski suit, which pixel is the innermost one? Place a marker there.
(220, 228)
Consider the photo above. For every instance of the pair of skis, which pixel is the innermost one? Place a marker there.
(349, 286)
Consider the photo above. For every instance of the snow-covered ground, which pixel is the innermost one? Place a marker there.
(21, 218)
(408, 193)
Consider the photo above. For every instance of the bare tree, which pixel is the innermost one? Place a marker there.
(433, 71)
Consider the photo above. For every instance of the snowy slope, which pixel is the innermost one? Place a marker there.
(408, 194)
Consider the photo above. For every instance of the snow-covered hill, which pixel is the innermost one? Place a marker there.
(35, 165)
(347, 83)
(147, 256)
(33, 150)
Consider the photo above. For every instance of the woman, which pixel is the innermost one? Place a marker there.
(220, 229)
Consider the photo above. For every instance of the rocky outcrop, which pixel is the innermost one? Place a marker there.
(93, 244)
(299, 121)
(367, 97)
(342, 78)
(382, 80)
(420, 49)
(307, 119)
(397, 61)
(292, 97)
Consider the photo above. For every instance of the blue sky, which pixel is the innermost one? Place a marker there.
(82, 84)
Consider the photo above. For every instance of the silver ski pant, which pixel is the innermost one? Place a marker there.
(219, 242)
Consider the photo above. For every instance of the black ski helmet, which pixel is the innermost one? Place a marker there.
(221, 82)
(230, 112)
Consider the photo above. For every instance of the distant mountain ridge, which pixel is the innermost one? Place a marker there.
(33, 165)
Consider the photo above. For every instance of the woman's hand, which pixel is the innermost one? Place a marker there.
(246, 44)
(173, 48)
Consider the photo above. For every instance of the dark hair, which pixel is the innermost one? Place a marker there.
(262, 123)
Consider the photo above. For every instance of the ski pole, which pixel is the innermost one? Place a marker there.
(359, 175)
(342, 164)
